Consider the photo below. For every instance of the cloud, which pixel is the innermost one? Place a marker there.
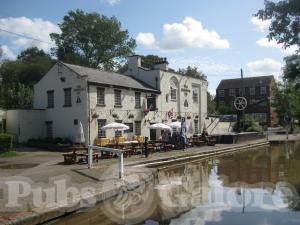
(206, 65)
(146, 39)
(7, 53)
(265, 42)
(190, 34)
(266, 66)
(111, 2)
(262, 25)
(36, 28)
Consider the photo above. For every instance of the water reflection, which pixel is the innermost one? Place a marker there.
(252, 187)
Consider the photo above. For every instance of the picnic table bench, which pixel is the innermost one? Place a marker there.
(74, 156)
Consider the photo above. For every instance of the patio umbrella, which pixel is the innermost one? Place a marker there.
(160, 126)
(176, 124)
(80, 134)
(115, 126)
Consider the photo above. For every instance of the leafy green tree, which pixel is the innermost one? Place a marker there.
(29, 67)
(92, 40)
(292, 69)
(15, 95)
(285, 21)
(192, 72)
(211, 105)
(287, 102)
(149, 61)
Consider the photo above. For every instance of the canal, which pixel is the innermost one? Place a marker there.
(259, 186)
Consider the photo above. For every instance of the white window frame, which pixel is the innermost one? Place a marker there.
(101, 123)
(67, 98)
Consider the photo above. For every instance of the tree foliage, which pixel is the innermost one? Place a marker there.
(15, 96)
(211, 105)
(287, 102)
(92, 40)
(285, 21)
(192, 72)
(29, 67)
(292, 69)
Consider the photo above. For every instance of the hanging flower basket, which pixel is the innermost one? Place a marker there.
(114, 115)
(130, 116)
(188, 117)
(179, 117)
(196, 116)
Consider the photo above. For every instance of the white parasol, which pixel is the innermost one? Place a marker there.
(160, 126)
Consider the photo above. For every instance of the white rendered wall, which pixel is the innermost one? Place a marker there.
(63, 117)
(25, 124)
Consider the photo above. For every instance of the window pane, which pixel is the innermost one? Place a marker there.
(137, 128)
(50, 97)
(118, 101)
(173, 94)
(101, 123)
(252, 91)
(68, 97)
(195, 96)
(263, 90)
(137, 100)
(196, 126)
(100, 96)
(221, 93)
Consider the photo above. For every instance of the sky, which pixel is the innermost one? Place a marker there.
(218, 36)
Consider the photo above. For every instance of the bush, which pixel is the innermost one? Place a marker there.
(5, 142)
(249, 126)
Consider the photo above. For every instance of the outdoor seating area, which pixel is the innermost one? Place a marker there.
(171, 139)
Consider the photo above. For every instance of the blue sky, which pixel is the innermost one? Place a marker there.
(217, 36)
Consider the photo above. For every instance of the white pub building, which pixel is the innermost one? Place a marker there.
(69, 94)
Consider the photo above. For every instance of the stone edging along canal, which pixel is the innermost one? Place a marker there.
(46, 215)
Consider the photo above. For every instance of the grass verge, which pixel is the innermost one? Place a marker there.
(8, 154)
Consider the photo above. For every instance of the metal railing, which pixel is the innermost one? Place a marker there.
(119, 152)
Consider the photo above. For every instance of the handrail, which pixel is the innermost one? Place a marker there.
(119, 152)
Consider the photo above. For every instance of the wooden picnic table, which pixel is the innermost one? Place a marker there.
(75, 156)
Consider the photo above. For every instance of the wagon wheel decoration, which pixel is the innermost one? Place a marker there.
(240, 103)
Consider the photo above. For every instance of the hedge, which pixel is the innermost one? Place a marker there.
(5, 142)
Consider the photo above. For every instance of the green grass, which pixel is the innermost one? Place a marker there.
(8, 154)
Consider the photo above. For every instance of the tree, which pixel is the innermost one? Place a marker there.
(29, 67)
(15, 95)
(291, 69)
(92, 40)
(285, 21)
(192, 72)
(211, 105)
(149, 61)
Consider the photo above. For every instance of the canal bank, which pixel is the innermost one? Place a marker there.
(135, 176)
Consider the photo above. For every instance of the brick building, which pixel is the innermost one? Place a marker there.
(257, 90)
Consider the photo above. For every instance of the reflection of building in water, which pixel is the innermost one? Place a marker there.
(182, 188)
(253, 168)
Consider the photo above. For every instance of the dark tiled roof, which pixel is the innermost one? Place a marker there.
(109, 78)
(247, 82)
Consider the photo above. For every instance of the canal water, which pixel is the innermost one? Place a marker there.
(259, 186)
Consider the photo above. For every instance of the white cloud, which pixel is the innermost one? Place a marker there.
(36, 28)
(262, 25)
(146, 39)
(7, 53)
(265, 42)
(266, 66)
(190, 34)
(111, 2)
(206, 65)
